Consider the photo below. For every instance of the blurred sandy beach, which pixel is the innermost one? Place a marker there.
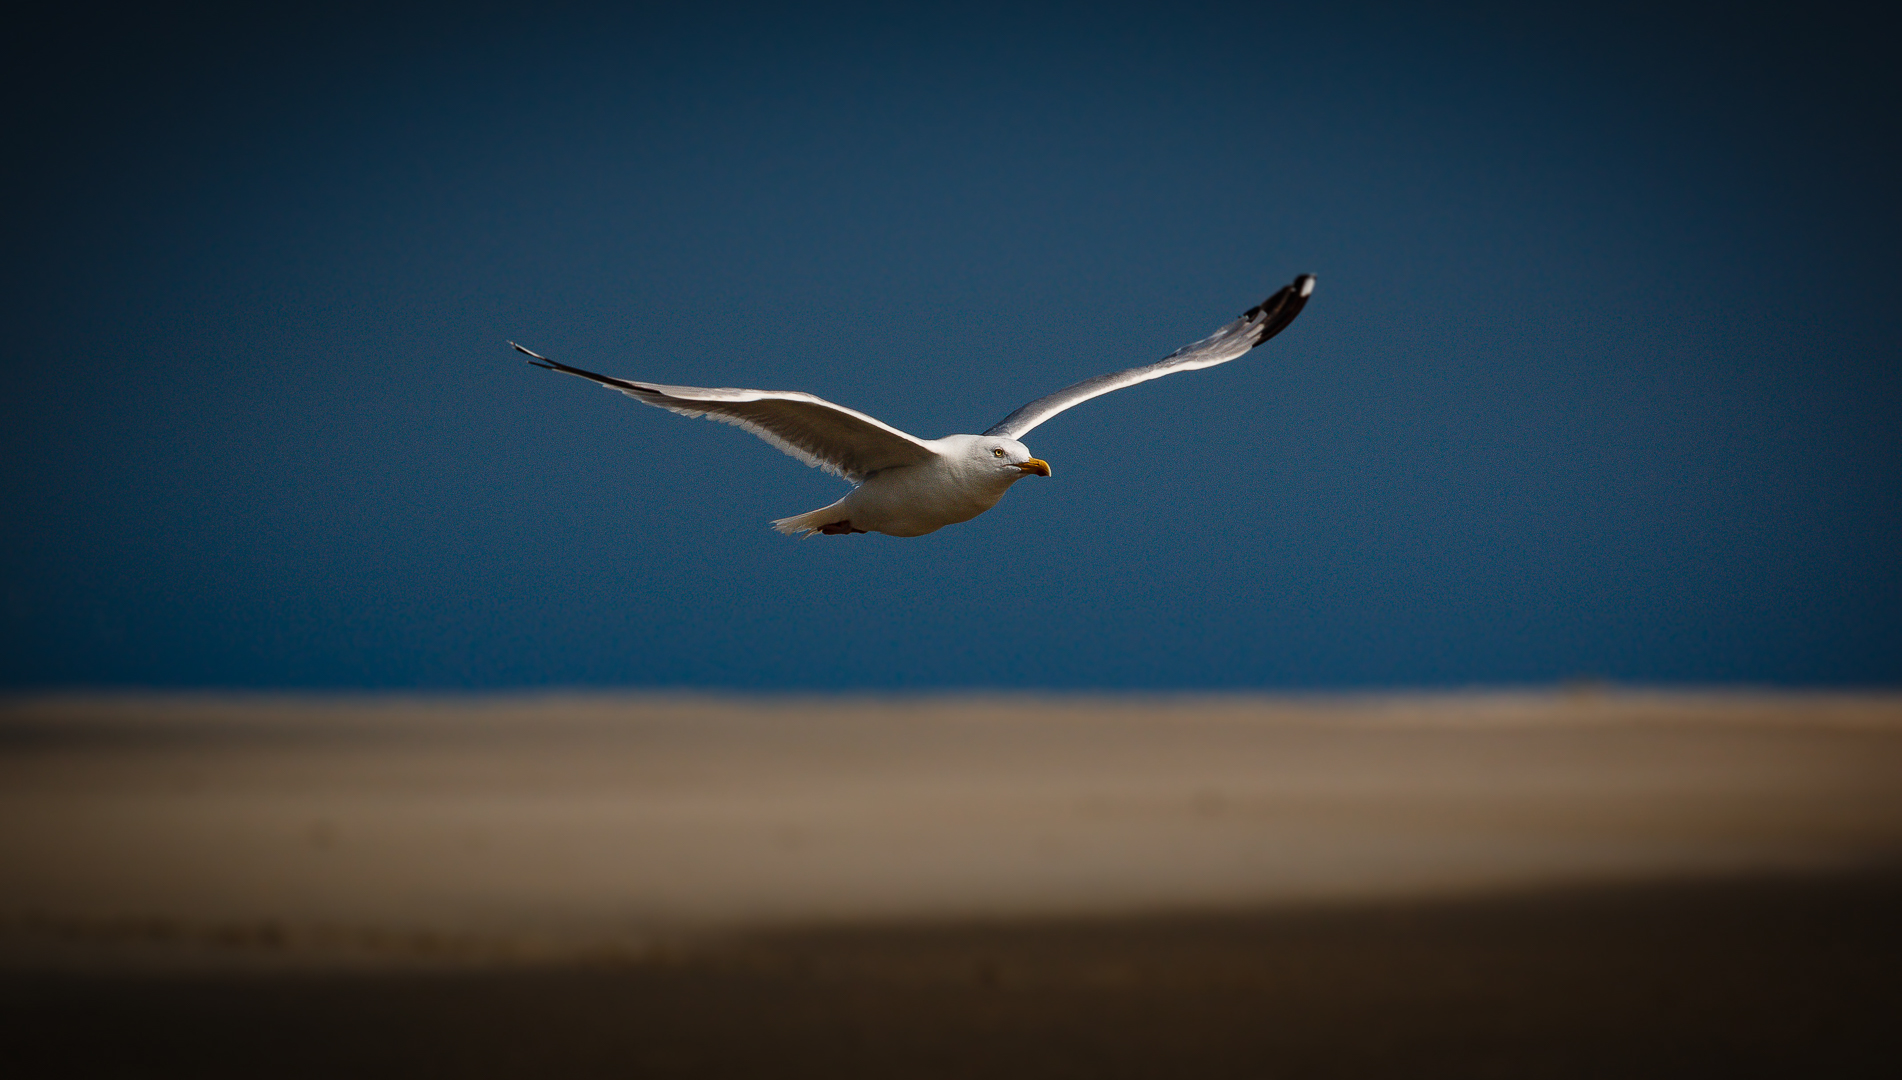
(186, 839)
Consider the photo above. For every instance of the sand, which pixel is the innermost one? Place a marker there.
(951, 886)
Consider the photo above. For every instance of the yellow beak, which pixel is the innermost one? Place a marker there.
(1035, 465)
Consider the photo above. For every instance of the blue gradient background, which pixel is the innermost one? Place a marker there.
(1601, 379)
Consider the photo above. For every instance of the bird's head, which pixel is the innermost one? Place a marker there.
(1009, 457)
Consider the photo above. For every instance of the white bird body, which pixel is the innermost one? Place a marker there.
(964, 479)
(907, 486)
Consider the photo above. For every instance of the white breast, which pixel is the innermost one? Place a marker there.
(917, 499)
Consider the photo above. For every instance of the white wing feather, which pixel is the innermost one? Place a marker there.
(1255, 326)
(832, 437)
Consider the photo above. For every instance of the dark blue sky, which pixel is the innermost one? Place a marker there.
(1603, 377)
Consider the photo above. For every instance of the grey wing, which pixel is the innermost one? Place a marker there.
(1256, 325)
(812, 429)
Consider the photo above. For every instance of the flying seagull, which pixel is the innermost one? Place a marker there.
(907, 486)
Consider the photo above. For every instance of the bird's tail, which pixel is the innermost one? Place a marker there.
(832, 518)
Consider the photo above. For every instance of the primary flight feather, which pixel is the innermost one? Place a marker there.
(907, 486)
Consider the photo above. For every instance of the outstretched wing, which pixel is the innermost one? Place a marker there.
(1256, 325)
(812, 429)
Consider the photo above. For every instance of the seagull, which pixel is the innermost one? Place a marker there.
(906, 486)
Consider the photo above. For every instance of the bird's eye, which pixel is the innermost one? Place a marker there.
(998, 452)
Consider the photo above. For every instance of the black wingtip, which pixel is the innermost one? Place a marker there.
(1276, 312)
(536, 359)
(1297, 291)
